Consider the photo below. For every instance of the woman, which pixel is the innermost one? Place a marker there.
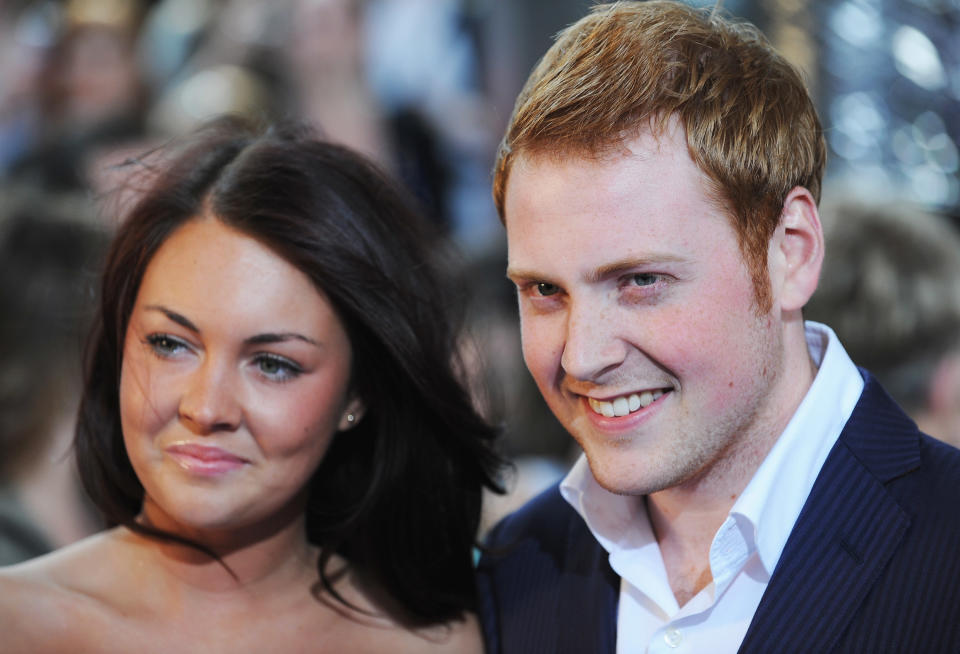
(272, 418)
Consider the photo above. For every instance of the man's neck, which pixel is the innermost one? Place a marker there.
(684, 520)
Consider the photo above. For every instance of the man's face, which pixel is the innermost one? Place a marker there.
(638, 316)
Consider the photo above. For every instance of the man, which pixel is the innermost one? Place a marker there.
(743, 485)
(890, 288)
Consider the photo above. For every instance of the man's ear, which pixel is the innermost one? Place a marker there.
(352, 414)
(798, 248)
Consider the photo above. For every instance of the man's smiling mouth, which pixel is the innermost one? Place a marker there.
(625, 404)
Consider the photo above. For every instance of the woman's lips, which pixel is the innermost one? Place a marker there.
(204, 459)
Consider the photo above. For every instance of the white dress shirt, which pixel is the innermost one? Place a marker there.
(745, 549)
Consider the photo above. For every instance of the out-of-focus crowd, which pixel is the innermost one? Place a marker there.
(88, 83)
(89, 87)
(424, 87)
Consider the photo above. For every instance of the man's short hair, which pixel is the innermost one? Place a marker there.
(891, 290)
(750, 124)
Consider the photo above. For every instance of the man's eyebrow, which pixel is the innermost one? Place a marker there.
(181, 320)
(605, 271)
(514, 274)
(279, 337)
(616, 268)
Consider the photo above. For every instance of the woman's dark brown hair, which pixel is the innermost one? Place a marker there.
(398, 495)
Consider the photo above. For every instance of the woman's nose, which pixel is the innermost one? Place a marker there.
(209, 403)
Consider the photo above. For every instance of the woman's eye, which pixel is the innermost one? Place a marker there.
(545, 289)
(277, 368)
(165, 345)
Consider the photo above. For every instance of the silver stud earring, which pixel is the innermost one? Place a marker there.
(351, 418)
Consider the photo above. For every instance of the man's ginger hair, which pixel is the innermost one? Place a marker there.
(750, 123)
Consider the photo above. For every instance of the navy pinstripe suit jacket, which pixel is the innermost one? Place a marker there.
(872, 564)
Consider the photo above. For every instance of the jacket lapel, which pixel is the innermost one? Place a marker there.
(847, 531)
(545, 584)
(587, 596)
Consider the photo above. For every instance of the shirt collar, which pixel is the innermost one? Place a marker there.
(771, 502)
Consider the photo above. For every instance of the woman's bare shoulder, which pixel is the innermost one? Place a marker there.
(80, 567)
(56, 601)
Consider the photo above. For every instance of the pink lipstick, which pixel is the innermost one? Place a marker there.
(204, 459)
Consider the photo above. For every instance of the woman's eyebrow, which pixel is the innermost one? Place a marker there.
(259, 339)
(280, 337)
(181, 320)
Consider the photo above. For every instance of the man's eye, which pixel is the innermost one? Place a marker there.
(645, 279)
(546, 289)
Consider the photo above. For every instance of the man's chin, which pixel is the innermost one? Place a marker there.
(625, 479)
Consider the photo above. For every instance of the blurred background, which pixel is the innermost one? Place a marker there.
(424, 87)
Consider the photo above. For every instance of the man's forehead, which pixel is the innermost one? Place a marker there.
(649, 202)
(649, 175)
(664, 140)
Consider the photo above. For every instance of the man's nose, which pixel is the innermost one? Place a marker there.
(592, 346)
(209, 403)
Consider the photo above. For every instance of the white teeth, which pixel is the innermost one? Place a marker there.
(625, 404)
(620, 407)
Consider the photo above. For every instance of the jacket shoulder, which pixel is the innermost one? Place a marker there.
(545, 518)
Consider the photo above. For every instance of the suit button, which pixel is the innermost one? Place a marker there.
(672, 637)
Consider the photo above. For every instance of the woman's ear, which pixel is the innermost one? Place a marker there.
(800, 248)
(352, 414)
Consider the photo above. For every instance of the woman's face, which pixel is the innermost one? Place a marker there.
(235, 378)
